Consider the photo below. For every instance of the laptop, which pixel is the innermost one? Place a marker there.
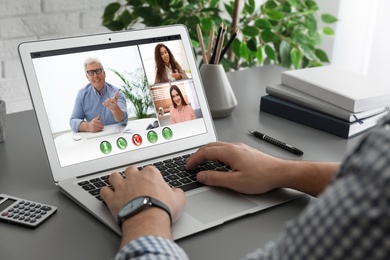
(81, 162)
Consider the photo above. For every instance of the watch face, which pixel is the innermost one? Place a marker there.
(133, 207)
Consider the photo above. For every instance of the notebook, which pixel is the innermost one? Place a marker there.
(55, 73)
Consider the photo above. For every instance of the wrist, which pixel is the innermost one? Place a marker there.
(151, 221)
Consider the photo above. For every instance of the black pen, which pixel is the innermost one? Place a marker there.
(228, 44)
(212, 60)
(278, 143)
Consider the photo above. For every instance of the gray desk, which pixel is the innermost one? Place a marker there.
(73, 233)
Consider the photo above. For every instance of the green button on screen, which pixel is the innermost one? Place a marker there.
(167, 133)
(152, 137)
(105, 147)
(121, 143)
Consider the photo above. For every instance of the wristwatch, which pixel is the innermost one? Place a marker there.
(137, 205)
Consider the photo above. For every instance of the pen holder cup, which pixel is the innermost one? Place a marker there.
(2, 120)
(219, 93)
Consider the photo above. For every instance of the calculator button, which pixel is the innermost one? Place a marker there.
(46, 208)
(4, 214)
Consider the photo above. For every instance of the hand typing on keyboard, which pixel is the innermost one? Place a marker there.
(173, 171)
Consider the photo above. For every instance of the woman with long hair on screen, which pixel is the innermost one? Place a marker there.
(167, 68)
(181, 111)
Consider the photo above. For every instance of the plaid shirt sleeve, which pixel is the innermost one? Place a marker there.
(153, 248)
(350, 220)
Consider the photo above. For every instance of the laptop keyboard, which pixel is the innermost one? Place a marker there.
(173, 171)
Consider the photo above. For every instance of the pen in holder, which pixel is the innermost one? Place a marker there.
(219, 93)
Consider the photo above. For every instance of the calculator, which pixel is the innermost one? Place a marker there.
(24, 212)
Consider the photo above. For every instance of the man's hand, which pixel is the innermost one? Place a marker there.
(147, 182)
(111, 103)
(254, 172)
(94, 126)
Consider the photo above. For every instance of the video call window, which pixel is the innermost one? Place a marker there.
(61, 76)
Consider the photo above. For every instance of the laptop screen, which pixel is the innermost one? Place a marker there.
(152, 80)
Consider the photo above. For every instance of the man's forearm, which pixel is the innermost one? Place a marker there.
(118, 114)
(309, 177)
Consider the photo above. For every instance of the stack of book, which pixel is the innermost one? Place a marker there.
(328, 98)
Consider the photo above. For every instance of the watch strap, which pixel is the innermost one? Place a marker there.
(152, 202)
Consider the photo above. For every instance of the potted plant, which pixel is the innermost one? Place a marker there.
(284, 32)
(136, 90)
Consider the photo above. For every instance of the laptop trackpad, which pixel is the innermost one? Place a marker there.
(216, 204)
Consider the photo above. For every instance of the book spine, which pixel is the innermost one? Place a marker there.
(319, 92)
(331, 110)
(311, 118)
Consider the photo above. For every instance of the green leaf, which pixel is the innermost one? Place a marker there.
(284, 50)
(244, 51)
(321, 55)
(274, 15)
(270, 52)
(207, 24)
(126, 18)
(192, 20)
(328, 31)
(250, 31)
(263, 24)
(250, 6)
(229, 9)
(295, 57)
(115, 25)
(111, 9)
(134, 2)
(268, 36)
(236, 47)
(268, 6)
(107, 19)
(307, 52)
(252, 45)
(164, 4)
(214, 3)
(311, 24)
(259, 55)
(328, 18)
(312, 5)
(293, 3)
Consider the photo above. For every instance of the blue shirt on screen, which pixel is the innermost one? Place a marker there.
(89, 104)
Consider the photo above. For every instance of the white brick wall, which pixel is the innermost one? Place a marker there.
(25, 20)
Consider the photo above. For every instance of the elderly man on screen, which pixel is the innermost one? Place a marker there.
(98, 103)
